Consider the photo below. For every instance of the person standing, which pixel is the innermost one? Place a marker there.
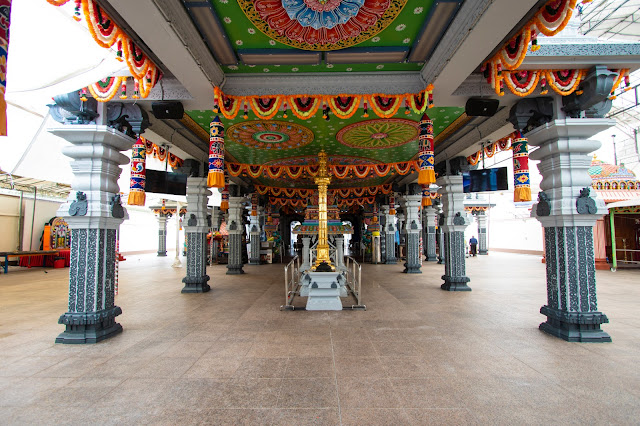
(473, 243)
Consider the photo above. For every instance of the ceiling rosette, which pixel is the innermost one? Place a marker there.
(321, 24)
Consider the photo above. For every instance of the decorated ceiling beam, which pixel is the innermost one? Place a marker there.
(302, 202)
(106, 33)
(549, 20)
(358, 192)
(563, 82)
(305, 106)
(339, 171)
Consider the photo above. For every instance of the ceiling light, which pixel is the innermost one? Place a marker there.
(278, 57)
(367, 55)
(210, 28)
(436, 24)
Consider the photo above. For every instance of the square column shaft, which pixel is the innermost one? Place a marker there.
(453, 225)
(482, 233)
(568, 214)
(94, 214)
(254, 240)
(162, 235)
(413, 229)
(389, 232)
(196, 231)
(430, 221)
(235, 228)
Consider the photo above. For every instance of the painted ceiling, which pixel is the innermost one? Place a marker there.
(353, 141)
(320, 25)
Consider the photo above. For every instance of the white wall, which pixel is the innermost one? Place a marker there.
(140, 231)
(9, 221)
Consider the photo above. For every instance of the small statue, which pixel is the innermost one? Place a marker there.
(80, 205)
(584, 203)
(192, 220)
(116, 207)
(544, 206)
(458, 219)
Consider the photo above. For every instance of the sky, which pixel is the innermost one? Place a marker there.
(41, 66)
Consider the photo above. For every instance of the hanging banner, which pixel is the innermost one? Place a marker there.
(137, 195)
(215, 178)
(521, 183)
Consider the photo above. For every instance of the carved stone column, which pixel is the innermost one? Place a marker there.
(453, 224)
(235, 230)
(254, 240)
(162, 235)
(339, 240)
(195, 233)
(94, 214)
(440, 235)
(389, 231)
(482, 233)
(430, 220)
(306, 254)
(215, 226)
(411, 205)
(568, 214)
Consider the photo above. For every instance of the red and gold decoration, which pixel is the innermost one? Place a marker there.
(137, 195)
(426, 159)
(321, 25)
(5, 20)
(356, 192)
(105, 89)
(392, 204)
(254, 204)
(305, 106)
(215, 178)
(502, 144)
(549, 20)
(521, 183)
(161, 154)
(224, 203)
(339, 171)
(426, 196)
(106, 33)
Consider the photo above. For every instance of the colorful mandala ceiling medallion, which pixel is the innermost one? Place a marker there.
(378, 134)
(321, 24)
(269, 135)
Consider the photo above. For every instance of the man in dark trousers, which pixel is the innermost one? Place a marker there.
(473, 243)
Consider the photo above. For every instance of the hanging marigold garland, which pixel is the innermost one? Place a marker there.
(160, 153)
(549, 20)
(522, 83)
(356, 192)
(339, 171)
(305, 106)
(502, 144)
(104, 90)
(103, 29)
(623, 75)
(564, 82)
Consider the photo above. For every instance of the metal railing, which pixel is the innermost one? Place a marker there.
(291, 282)
(354, 281)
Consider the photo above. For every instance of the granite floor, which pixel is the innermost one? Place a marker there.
(417, 355)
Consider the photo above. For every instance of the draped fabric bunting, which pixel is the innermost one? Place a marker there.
(339, 171)
(215, 178)
(137, 195)
(5, 15)
(106, 33)
(502, 144)
(305, 106)
(224, 203)
(427, 175)
(521, 184)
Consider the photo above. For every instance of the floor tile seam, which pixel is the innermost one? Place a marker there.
(280, 388)
(335, 377)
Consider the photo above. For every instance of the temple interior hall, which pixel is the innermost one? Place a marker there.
(319, 212)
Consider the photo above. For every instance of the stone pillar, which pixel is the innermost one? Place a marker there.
(215, 226)
(440, 234)
(453, 227)
(94, 214)
(568, 213)
(389, 232)
(235, 227)
(411, 205)
(339, 239)
(482, 233)
(306, 254)
(195, 233)
(162, 235)
(254, 240)
(430, 217)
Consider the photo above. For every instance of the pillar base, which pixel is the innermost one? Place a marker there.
(411, 269)
(455, 283)
(431, 258)
(234, 270)
(89, 327)
(196, 285)
(575, 326)
(391, 261)
(483, 252)
(162, 254)
(254, 261)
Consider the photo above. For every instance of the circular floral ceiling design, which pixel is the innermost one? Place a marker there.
(341, 160)
(269, 134)
(321, 24)
(379, 133)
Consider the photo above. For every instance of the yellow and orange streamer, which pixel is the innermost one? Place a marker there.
(358, 192)
(502, 144)
(106, 33)
(341, 172)
(304, 106)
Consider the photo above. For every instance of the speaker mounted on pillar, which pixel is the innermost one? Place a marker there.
(167, 110)
(476, 107)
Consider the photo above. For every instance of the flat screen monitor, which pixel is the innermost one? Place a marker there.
(166, 182)
(484, 180)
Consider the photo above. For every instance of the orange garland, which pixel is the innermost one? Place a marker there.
(339, 171)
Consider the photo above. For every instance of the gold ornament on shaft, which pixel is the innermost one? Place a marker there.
(322, 180)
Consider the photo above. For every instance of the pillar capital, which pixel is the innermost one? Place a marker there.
(452, 199)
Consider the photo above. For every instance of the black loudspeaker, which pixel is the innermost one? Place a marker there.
(481, 107)
(167, 110)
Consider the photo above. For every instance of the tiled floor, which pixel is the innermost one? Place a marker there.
(418, 355)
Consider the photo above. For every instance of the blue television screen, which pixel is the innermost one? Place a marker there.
(484, 180)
